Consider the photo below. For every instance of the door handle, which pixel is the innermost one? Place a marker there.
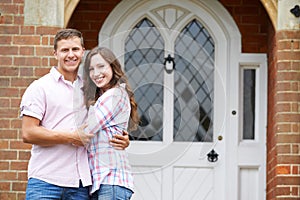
(212, 156)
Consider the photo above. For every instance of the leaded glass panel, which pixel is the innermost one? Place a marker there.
(144, 58)
(194, 84)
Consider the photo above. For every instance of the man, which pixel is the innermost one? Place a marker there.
(52, 116)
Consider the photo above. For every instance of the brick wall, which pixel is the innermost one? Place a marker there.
(252, 20)
(283, 163)
(89, 16)
(25, 54)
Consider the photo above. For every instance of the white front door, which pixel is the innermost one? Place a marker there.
(178, 59)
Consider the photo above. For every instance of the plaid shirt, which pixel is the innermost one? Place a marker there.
(107, 117)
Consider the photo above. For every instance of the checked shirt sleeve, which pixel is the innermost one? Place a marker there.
(108, 110)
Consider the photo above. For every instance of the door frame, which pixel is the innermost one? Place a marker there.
(227, 39)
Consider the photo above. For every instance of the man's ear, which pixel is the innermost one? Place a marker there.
(55, 54)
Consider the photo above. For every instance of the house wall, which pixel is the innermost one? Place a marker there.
(26, 54)
(283, 160)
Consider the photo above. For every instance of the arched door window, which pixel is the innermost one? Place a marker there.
(193, 81)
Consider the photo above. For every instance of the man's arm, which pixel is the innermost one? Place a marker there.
(34, 133)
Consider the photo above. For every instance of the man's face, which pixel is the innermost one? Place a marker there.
(69, 54)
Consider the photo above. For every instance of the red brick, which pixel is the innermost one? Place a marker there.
(282, 191)
(295, 85)
(18, 165)
(19, 186)
(26, 50)
(26, 71)
(288, 55)
(22, 175)
(46, 30)
(27, 30)
(8, 195)
(296, 191)
(41, 71)
(288, 159)
(286, 76)
(283, 128)
(283, 86)
(4, 186)
(295, 169)
(285, 44)
(296, 128)
(288, 180)
(19, 145)
(5, 40)
(19, 20)
(9, 71)
(288, 138)
(5, 61)
(15, 102)
(4, 123)
(295, 65)
(247, 10)
(26, 40)
(4, 165)
(288, 97)
(27, 61)
(4, 82)
(295, 150)
(53, 62)
(45, 40)
(7, 113)
(25, 155)
(8, 134)
(45, 62)
(283, 169)
(8, 9)
(295, 45)
(287, 34)
(9, 29)
(9, 50)
(4, 103)
(8, 155)
(21, 195)
(16, 123)
(19, 82)
(44, 51)
(6, 1)
(8, 92)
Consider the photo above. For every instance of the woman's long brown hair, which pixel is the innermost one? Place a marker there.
(92, 92)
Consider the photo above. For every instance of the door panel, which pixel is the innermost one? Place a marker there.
(149, 180)
(189, 177)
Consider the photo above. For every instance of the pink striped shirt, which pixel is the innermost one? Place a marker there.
(59, 105)
(107, 117)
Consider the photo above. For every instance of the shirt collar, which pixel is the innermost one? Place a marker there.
(57, 75)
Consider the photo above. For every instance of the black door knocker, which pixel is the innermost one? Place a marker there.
(212, 156)
(169, 64)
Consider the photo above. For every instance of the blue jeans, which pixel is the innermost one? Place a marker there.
(112, 192)
(41, 190)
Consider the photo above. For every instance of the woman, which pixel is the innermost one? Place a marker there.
(112, 107)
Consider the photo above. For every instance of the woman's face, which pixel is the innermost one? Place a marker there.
(100, 72)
